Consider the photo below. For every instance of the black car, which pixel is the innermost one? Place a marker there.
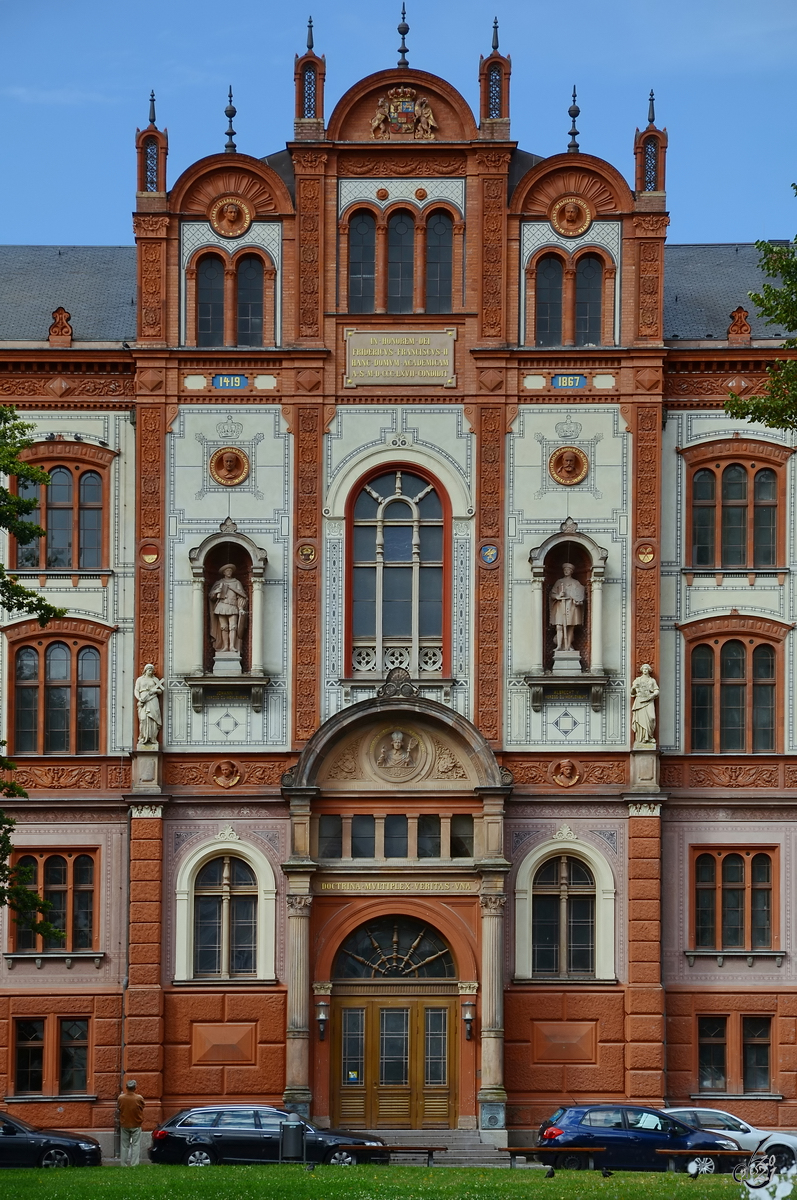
(24, 1145)
(248, 1133)
(631, 1138)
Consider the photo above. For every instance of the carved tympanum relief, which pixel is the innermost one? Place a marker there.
(401, 114)
(397, 754)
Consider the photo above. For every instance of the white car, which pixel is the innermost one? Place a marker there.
(782, 1145)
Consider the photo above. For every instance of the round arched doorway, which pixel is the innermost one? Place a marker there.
(394, 1024)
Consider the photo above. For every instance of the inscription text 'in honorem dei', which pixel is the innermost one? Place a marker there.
(403, 358)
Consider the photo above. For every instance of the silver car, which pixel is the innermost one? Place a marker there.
(782, 1145)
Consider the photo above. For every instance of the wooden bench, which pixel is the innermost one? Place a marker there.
(590, 1150)
(429, 1151)
(673, 1154)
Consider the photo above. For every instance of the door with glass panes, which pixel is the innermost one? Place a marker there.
(393, 1062)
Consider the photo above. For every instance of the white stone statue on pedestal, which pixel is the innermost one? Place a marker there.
(228, 610)
(644, 690)
(567, 599)
(147, 689)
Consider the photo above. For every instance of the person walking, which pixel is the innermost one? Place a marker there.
(131, 1115)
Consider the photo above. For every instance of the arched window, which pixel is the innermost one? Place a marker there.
(397, 576)
(391, 948)
(151, 164)
(549, 301)
(309, 91)
(494, 89)
(225, 919)
(733, 900)
(57, 699)
(651, 163)
(70, 509)
(439, 262)
(743, 526)
(589, 293)
(563, 919)
(210, 301)
(250, 301)
(733, 696)
(400, 262)
(67, 881)
(90, 521)
(60, 518)
(362, 262)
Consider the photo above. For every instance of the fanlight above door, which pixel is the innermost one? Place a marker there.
(394, 948)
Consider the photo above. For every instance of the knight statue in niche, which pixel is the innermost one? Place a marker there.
(228, 609)
(567, 600)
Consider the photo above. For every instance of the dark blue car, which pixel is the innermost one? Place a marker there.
(631, 1137)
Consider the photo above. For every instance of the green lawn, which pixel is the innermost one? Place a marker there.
(358, 1183)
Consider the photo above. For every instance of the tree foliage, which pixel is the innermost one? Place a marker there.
(777, 408)
(29, 908)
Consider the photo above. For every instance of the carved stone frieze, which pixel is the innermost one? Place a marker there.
(411, 164)
(737, 447)
(734, 775)
(62, 776)
(309, 207)
(77, 385)
(488, 597)
(250, 772)
(492, 231)
(543, 773)
(345, 765)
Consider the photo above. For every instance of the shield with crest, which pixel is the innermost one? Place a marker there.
(401, 110)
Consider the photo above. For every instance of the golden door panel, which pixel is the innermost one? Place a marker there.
(393, 1063)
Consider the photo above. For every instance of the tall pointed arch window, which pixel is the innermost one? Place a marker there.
(210, 301)
(398, 552)
(362, 262)
(589, 295)
(400, 262)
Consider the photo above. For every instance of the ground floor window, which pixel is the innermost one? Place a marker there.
(51, 1056)
(734, 1054)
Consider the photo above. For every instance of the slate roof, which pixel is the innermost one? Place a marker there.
(703, 284)
(96, 284)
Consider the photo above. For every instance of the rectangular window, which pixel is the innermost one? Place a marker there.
(436, 1056)
(755, 1053)
(395, 836)
(353, 1046)
(394, 1046)
(363, 837)
(733, 901)
(74, 1051)
(29, 1075)
(428, 837)
(711, 1039)
(462, 836)
(330, 836)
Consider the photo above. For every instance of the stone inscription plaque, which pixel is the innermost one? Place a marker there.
(400, 358)
(396, 886)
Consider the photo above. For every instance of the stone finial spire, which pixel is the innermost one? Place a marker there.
(309, 33)
(403, 29)
(652, 109)
(152, 111)
(572, 112)
(495, 34)
(229, 113)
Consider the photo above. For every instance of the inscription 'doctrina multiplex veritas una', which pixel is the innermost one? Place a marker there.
(401, 358)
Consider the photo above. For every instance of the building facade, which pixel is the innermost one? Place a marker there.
(418, 749)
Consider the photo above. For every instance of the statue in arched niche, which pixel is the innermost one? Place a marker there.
(228, 609)
(567, 600)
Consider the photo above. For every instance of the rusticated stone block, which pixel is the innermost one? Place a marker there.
(181, 1009)
(539, 1006)
(644, 868)
(267, 1076)
(181, 1078)
(143, 891)
(268, 1009)
(787, 1004)
(643, 972)
(146, 852)
(144, 1002)
(643, 889)
(548, 1077)
(103, 1113)
(145, 829)
(604, 1007)
(598, 1079)
(679, 1058)
(143, 1031)
(145, 931)
(645, 1056)
(644, 952)
(146, 952)
(644, 931)
(641, 848)
(106, 1032)
(144, 912)
(149, 869)
(140, 975)
(787, 1058)
(787, 1030)
(680, 1085)
(644, 1000)
(108, 1006)
(644, 910)
(645, 1084)
(787, 1116)
(144, 1058)
(757, 1112)
(106, 1058)
(644, 827)
(23, 1006)
(679, 1004)
(150, 1085)
(3, 1007)
(518, 1070)
(645, 1029)
(680, 1030)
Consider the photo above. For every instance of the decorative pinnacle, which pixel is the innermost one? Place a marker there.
(152, 110)
(309, 33)
(403, 29)
(573, 112)
(495, 34)
(651, 109)
(230, 112)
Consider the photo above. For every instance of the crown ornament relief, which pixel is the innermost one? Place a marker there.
(568, 430)
(229, 429)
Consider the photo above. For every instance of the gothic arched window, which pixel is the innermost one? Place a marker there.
(400, 262)
(250, 301)
(210, 301)
(549, 301)
(589, 295)
(362, 262)
(563, 919)
(225, 919)
(397, 576)
(439, 262)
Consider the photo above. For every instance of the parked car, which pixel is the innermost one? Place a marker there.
(631, 1137)
(782, 1145)
(246, 1133)
(24, 1145)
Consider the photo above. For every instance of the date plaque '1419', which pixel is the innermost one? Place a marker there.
(400, 358)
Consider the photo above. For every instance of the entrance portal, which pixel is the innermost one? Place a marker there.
(394, 1021)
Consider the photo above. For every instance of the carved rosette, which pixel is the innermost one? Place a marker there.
(308, 436)
(150, 231)
(488, 600)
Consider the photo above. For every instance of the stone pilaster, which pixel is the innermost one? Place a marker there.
(492, 1093)
(297, 1094)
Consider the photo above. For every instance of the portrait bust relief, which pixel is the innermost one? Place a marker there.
(229, 466)
(397, 753)
(568, 465)
(230, 216)
(571, 216)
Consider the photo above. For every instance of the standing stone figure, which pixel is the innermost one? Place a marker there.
(146, 690)
(566, 607)
(644, 689)
(228, 604)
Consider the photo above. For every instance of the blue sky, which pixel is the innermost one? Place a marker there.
(76, 78)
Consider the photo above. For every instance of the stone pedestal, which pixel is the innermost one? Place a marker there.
(566, 662)
(147, 769)
(645, 769)
(227, 662)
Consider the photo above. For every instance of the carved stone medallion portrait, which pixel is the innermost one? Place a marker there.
(229, 466)
(230, 216)
(571, 216)
(568, 465)
(566, 773)
(397, 753)
(226, 773)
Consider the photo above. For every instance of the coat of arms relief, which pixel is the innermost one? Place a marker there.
(400, 113)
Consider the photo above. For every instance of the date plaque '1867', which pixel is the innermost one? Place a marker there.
(400, 358)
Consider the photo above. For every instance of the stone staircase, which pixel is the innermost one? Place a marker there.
(465, 1148)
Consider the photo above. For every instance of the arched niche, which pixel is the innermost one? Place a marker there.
(347, 481)
(597, 181)
(216, 175)
(354, 112)
(547, 562)
(250, 562)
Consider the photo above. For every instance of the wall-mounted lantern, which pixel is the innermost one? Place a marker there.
(322, 1016)
(468, 1016)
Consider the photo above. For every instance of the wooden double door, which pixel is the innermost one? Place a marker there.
(394, 1062)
